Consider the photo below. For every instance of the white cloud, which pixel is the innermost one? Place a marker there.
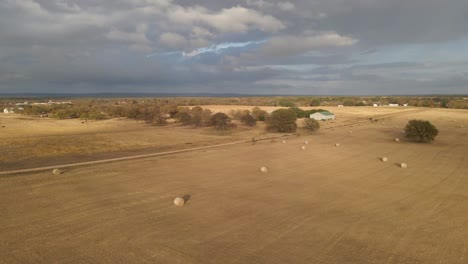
(138, 40)
(173, 40)
(294, 45)
(198, 32)
(229, 20)
(286, 6)
(138, 36)
(67, 6)
(259, 3)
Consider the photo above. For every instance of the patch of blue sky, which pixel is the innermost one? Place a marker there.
(215, 48)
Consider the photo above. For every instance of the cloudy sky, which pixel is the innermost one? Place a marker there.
(316, 47)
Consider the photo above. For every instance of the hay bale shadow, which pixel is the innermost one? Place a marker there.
(186, 198)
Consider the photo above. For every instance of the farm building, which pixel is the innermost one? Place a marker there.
(8, 111)
(325, 115)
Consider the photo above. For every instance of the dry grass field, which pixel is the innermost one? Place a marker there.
(324, 204)
(27, 142)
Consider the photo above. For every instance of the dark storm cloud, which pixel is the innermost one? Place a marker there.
(301, 46)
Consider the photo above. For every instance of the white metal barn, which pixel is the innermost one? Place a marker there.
(325, 115)
(8, 111)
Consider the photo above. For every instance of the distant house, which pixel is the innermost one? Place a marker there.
(8, 111)
(324, 115)
(340, 105)
(405, 104)
(376, 105)
(393, 104)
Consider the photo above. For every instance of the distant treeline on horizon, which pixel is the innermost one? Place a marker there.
(216, 95)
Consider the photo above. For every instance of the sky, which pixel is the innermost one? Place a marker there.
(307, 47)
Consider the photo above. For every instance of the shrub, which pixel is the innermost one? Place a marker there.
(311, 124)
(259, 114)
(315, 102)
(153, 116)
(196, 110)
(206, 117)
(170, 109)
(282, 120)
(238, 114)
(220, 121)
(96, 116)
(248, 120)
(286, 103)
(299, 112)
(159, 120)
(184, 118)
(421, 130)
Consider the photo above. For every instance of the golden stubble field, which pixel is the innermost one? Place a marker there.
(27, 142)
(324, 204)
(32, 142)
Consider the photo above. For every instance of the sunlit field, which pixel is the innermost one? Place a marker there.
(321, 204)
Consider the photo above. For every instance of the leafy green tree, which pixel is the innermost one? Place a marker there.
(282, 120)
(421, 130)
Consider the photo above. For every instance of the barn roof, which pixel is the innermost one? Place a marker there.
(327, 113)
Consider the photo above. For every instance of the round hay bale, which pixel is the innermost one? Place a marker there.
(284, 141)
(403, 165)
(397, 140)
(306, 142)
(57, 172)
(337, 145)
(264, 169)
(303, 147)
(179, 201)
(384, 159)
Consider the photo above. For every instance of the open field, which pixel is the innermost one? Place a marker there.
(30, 142)
(27, 142)
(324, 204)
